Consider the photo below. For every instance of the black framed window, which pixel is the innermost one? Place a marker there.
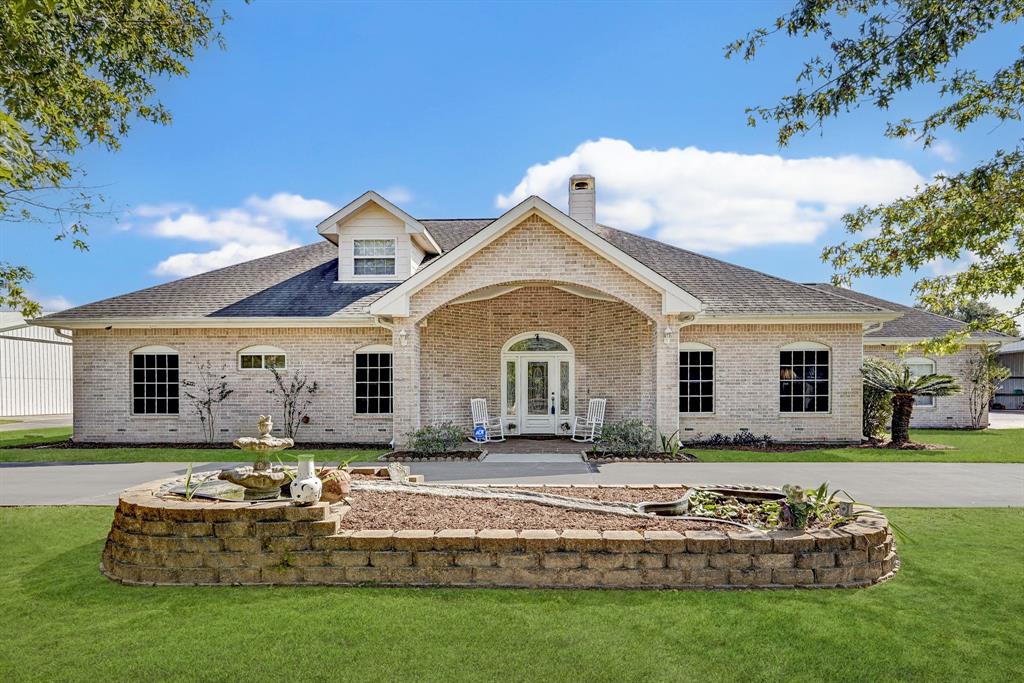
(804, 381)
(373, 383)
(696, 381)
(155, 383)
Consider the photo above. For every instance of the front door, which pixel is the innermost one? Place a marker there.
(539, 385)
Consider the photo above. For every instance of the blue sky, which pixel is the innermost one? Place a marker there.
(458, 110)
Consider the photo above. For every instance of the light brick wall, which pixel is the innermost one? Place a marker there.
(747, 382)
(102, 384)
(461, 352)
(952, 412)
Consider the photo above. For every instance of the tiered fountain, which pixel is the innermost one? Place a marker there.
(261, 480)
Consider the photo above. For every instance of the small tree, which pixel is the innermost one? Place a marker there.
(984, 373)
(205, 394)
(296, 396)
(877, 410)
(904, 387)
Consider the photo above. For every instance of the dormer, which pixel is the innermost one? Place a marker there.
(377, 241)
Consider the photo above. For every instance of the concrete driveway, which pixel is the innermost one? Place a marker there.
(35, 422)
(1006, 419)
(884, 484)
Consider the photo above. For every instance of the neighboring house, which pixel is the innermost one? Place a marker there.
(891, 339)
(35, 369)
(1011, 392)
(402, 321)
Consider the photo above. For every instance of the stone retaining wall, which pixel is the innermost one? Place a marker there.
(163, 541)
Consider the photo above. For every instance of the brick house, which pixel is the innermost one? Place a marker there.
(402, 321)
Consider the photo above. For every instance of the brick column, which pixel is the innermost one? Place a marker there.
(666, 376)
(406, 360)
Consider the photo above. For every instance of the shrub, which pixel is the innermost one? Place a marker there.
(433, 439)
(630, 437)
(737, 439)
(877, 411)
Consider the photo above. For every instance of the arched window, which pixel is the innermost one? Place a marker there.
(696, 378)
(261, 356)
(537, 343)
(373, 380)
(804, 377)
(919, 367)
(155, 381)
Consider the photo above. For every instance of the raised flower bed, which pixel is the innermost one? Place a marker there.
(413, 539)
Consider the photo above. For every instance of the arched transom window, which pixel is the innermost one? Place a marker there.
(538, 343)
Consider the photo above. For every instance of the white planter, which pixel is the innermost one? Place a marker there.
(307, 487)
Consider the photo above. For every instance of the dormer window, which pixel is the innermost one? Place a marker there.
(373, 257)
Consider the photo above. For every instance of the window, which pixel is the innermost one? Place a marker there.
(537, 343)
(374, 257)
(804, 378)
(373, 380)
(256, 357)
(154, 381)
(696, 378)
(919, 367)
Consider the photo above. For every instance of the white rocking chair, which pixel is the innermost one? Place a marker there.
(493, 428)
(589, 428)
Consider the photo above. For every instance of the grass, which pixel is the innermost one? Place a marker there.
(954, 612)
(990, 445)
(8, 422)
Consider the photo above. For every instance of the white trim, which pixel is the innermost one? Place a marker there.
(261, 350)
(396, 302)
(329, 226)
(162, 350)
(371, 277)
(916, 341)
(542, 333)
(783, 318)
(695, 346)
(373, 348)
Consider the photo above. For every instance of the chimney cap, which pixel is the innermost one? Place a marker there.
(581, 182)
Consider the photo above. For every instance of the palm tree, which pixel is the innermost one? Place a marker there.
(896, 380)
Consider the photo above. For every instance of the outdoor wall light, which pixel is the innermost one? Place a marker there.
(668, 335)
(403, 337)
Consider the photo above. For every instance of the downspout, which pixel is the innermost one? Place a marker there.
(61, 333)
(872, 328)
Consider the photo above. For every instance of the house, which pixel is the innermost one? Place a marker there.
(1010, 394)
(402, 321)
(35, 369)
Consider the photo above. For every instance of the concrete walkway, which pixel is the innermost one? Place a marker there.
(884, 484)
(1006, 419)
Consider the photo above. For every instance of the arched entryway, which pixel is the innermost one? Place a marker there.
(538, 383)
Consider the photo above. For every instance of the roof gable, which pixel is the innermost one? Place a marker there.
(329, 227)
(675, 300)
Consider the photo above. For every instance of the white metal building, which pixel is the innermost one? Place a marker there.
(1011, 392)
(35, 369)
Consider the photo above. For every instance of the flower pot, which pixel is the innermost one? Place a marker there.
(307, 487)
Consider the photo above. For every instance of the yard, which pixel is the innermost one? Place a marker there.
(1006, 445)
(955, 607)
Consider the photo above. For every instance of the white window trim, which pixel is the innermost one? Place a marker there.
(921, 360)
(804, 346)
(373, 348)
(371, 276)
(697, 346)
(142, 351)
(261, 350)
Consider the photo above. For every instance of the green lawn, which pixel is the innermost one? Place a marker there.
(954, 612)
(992, 445)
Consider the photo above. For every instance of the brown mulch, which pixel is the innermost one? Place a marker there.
(420, 511)
(601, 456)
(219, 445)
(412, 456)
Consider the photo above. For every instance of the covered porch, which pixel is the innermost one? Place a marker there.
(537, 352)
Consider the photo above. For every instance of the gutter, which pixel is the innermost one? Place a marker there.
(204, 322)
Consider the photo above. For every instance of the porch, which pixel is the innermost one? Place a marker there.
(537, 353)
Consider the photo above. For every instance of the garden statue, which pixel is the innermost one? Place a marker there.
(307, 487)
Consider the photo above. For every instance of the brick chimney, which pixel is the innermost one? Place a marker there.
(583, 200)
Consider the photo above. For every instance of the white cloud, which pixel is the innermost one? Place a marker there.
(291, 207)
(397, 194)
(943, 149)
(717, 201)
(258, 228)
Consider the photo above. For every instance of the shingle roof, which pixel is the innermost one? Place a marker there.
(913, 324)
(302, 282)
(727, 288)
